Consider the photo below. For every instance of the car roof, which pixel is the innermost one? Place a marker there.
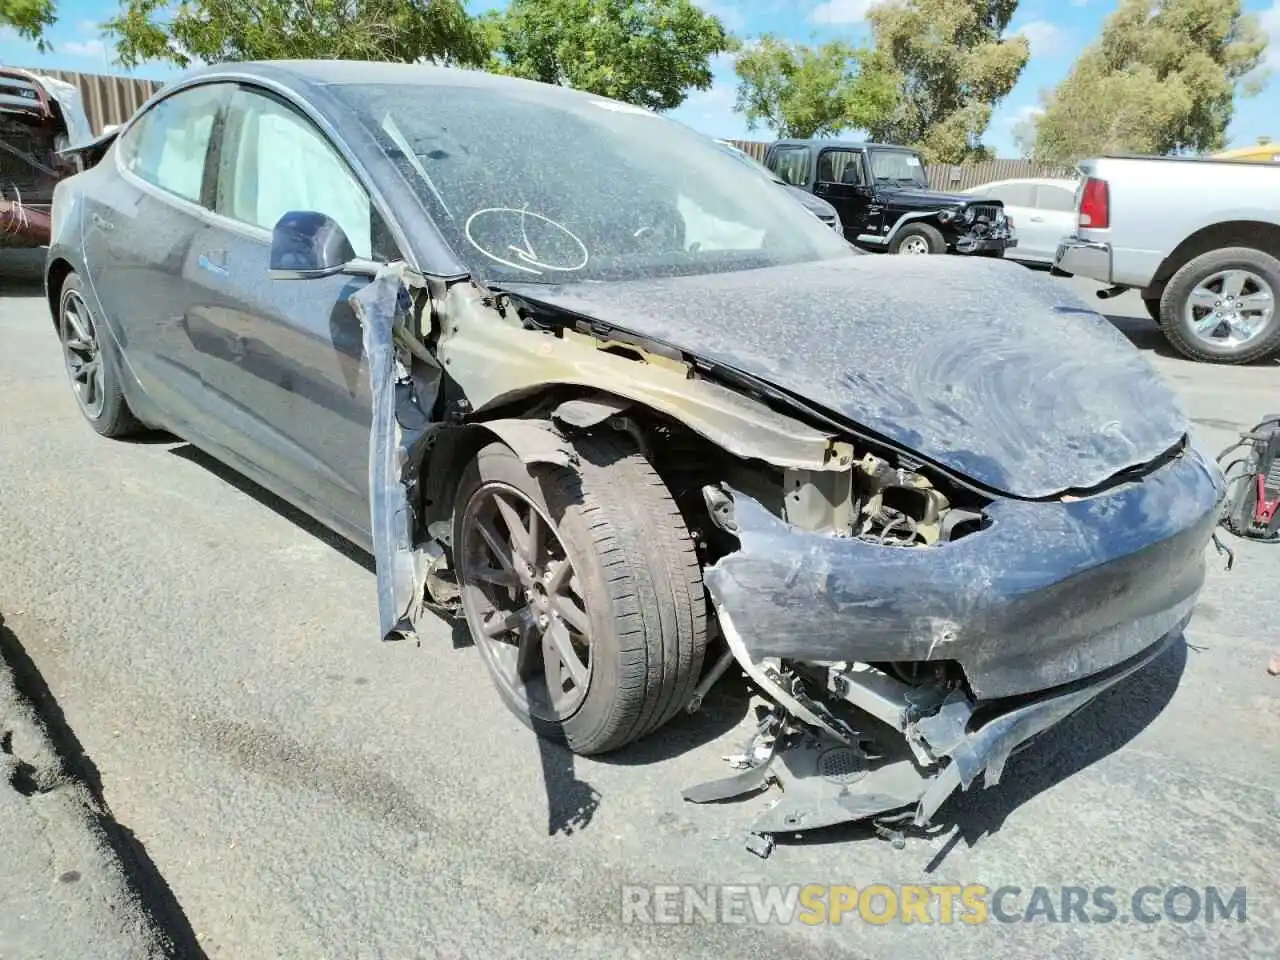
(846, 144)
(306, 76)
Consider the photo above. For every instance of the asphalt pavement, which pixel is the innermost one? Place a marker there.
(272, 781)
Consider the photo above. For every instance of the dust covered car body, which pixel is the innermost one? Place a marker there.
(570, 371)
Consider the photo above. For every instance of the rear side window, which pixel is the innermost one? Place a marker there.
(274, 160)
(1057, 199)
(1013, 194)
(791, 164)
(169, 145)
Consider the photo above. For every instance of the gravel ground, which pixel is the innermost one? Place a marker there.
(287, 786)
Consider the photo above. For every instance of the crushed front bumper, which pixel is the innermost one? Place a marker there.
(1047, 593)
(970, 245)
(1044, 609)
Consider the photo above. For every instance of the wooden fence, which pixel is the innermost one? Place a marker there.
(107, 99)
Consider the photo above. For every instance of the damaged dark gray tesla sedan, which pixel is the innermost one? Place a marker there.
(568, 370)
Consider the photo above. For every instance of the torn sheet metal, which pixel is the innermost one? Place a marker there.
(398, 421)
(825, 782)
(1046, 594)
(997, 373)
(495, 359)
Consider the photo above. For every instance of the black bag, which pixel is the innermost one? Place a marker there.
(1252, 469)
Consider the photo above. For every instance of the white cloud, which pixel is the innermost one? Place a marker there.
(842, 11)
(728, 13)
(1045, 38)
(86, 48)
(1023, 114)
(1270, 20)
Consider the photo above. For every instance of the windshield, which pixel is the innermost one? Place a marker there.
(898, 166)
(540, 185)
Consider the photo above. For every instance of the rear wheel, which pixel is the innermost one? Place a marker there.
(918, 239)
(93, 369)
(582, 591)
(1220, 307)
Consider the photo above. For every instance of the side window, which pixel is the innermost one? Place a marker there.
(841, 166)
(274, 160)
(168, 146)
(1014, 194)
(1057, 199)
(791, 164)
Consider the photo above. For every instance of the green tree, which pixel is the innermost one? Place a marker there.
(953, 63)
(648, 52)
(801, 91)
(1162, 78)
(30, 18)
(220, 30)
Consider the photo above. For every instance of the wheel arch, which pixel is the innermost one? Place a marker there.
(529, 429)
(1257, 234)
(56, 273)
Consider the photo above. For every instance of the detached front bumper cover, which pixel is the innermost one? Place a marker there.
(827, 781)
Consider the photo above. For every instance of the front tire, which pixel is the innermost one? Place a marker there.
(918, 239)
(582, 591)
(92, 367)
(1220, 307)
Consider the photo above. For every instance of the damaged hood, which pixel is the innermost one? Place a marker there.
(983, 366)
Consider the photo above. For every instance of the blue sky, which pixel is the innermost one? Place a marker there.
(1058, 30)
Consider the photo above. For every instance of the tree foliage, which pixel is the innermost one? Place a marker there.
(647, 52)
(1161, 78)
(30, 18)
(213, 31)
(952, 63)
(801, 91)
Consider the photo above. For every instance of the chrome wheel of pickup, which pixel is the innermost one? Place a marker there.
(1230, 308)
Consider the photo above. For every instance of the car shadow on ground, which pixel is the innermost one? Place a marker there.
(1088, 736)
(1144, 334)
(571, 801)
(272, 502)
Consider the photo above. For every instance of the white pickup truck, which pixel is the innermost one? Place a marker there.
(1200, 239)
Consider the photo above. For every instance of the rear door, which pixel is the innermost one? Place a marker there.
(140, 222)
(285, 357)
(1056, 206)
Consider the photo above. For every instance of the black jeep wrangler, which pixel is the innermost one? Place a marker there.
(884, 200)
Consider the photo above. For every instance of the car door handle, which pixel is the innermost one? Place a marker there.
(102, 223)
(1036, 219)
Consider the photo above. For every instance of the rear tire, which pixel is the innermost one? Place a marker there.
(92, 366)
(639, 582)
(1178, 327)
(918, 239)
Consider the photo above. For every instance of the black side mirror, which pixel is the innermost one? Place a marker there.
(306, 245)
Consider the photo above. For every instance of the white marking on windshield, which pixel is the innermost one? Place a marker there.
(505, 222)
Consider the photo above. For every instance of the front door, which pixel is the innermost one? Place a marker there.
(843, 182)
(286, 356)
